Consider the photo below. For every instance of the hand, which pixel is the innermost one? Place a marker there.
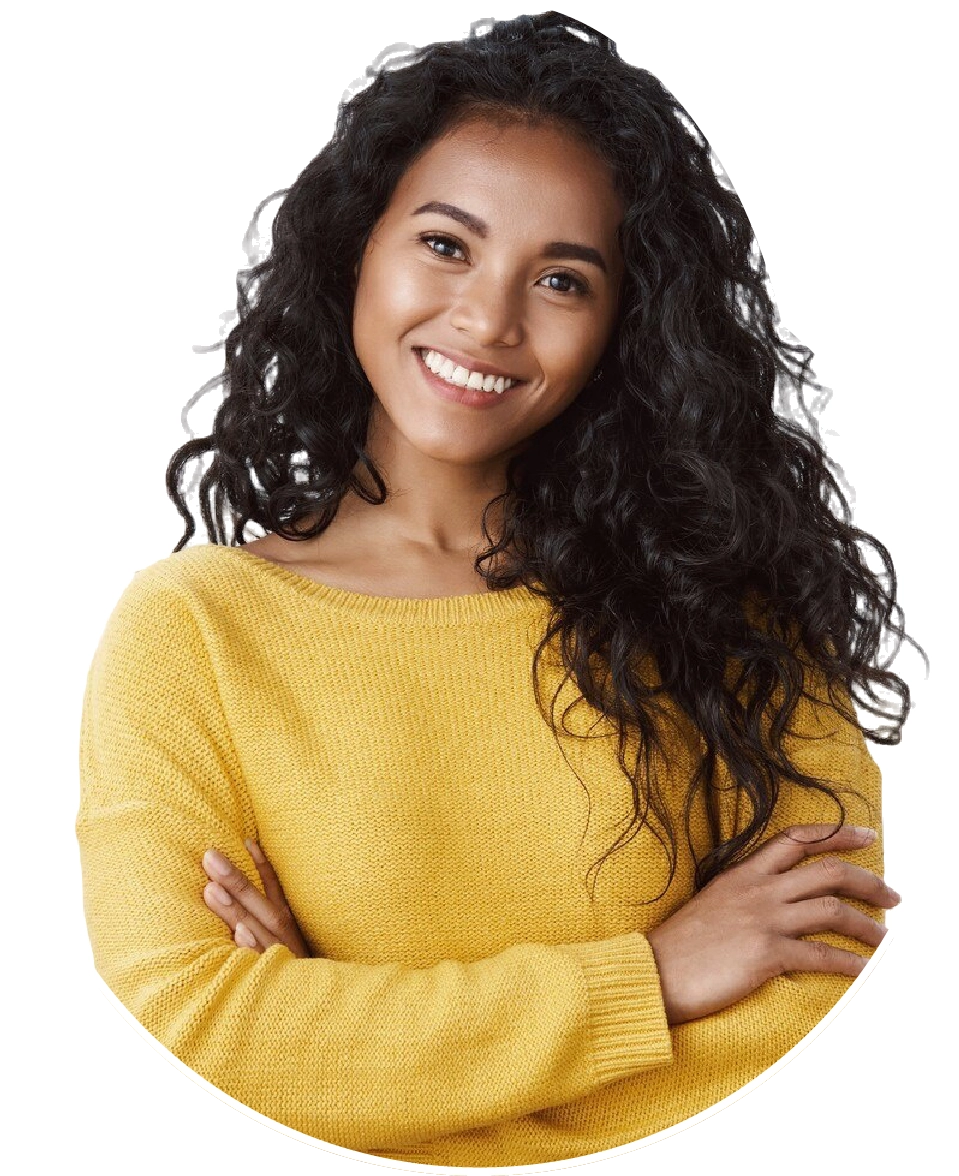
(256, 921)
(744, 927)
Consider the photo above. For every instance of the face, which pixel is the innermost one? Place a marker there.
(498, 253)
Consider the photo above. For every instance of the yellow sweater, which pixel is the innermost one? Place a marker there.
(470, 1003)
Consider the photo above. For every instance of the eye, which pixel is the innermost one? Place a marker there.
(577, 286)
(443, 246)
(568, 283)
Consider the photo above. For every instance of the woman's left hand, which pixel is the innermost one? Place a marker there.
(256, 921)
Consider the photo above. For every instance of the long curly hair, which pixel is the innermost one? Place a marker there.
(669, 514)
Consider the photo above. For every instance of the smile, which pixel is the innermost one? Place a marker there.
(461, 377)
(468, 388)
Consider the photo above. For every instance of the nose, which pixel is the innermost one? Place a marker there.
(489, 310)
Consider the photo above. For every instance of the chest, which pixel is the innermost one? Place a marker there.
(438, 816)
(371, 569)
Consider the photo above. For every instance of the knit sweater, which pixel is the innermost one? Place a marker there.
(472, 999)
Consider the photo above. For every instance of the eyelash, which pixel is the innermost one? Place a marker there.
(579, 287)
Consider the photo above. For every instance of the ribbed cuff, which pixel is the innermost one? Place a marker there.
(627, 1017)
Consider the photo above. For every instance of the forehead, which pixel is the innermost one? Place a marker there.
(522, 179)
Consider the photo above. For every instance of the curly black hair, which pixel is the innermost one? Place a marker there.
(670, 515)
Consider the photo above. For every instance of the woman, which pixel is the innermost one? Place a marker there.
(501, 399)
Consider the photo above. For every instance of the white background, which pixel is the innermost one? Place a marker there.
(141, 137)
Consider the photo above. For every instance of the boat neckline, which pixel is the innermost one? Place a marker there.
(468, 606)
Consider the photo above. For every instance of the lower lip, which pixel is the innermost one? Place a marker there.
(471, 397)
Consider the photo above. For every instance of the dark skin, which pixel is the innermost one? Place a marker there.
(741, 930)
(463, 262)
(476, 279)
(257, 920)
(493, 290)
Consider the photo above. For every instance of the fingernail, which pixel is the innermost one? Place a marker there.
(218, 894)
(894, 894)
(245, 936)
(865, 833)
(216, 862)
(253, 850)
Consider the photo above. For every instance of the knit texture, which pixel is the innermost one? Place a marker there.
(472, 1001)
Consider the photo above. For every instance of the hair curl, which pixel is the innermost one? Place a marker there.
(668, 512)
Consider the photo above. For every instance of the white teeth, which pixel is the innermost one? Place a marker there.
(461, 376)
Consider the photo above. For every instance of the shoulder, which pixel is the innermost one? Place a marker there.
(191, 572)
(169, 600)
(269, 546)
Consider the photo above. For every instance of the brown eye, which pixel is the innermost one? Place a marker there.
(565, 283)
(560, 282)
(442, 246)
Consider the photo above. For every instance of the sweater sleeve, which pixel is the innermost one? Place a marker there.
(716, 1055)
(826, 745)
(364, 1056)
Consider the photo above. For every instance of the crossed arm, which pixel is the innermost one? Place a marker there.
(744, 928)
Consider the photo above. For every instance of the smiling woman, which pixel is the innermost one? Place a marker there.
(382, 896)
(490, 301)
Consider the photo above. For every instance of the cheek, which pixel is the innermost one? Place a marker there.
(391, 299)
(569, 350)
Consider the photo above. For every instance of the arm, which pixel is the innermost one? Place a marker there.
(363, 1056)
(827, 746)
(716, 1055)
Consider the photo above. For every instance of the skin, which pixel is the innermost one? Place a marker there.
(489, 295)
(741, 930)
(427, 279)
(485, 289)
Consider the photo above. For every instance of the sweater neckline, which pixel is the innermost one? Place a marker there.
(434, 610)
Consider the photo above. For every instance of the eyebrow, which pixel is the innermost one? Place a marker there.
(554, 250)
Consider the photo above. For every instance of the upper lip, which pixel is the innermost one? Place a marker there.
(471, 363)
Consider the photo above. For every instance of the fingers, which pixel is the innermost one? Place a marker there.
(793, 845)
(261, 911)
(801, 955)
(271, 883)
(832, 875)
(247, 930)
(830, 914)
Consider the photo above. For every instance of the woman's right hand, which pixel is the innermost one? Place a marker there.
(744, 927)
